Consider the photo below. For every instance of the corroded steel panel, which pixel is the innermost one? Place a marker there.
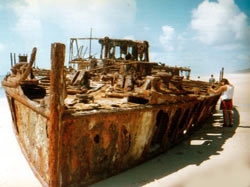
(100, 145)
(32, 135)
(104, 147)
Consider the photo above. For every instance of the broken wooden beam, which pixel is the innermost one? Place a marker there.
(57, 93)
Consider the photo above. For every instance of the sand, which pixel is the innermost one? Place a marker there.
(14, 170)
(212, 156)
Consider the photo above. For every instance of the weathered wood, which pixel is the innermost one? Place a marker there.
(57, 93)
(26, 102)
(116, 95)
(11, 60)
(26, 73)
(15, 58)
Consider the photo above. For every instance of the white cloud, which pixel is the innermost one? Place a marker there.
(28, 24)
(167, 36)
(74, 17)
(220, 23)
(129, 37)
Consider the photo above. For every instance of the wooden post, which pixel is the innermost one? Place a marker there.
(15, 58)
(101, 52)
(90, 43)
(70, 51)
(77, 48)
(113, 55)
(57, 93)
(222, 73)
(11, 60)
(25, 74)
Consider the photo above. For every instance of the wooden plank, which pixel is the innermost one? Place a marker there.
(57, 93)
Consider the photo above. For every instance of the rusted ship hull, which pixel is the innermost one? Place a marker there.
(95, 146)
(80, 143)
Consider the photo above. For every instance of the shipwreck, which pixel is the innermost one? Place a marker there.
(79, 124)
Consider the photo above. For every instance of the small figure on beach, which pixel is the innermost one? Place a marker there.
(226, 90)
(211, 80)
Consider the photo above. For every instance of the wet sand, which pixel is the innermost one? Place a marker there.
(212, 156)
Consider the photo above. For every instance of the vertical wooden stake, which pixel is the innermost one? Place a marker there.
(15, 58)
(11, 60)
(222, 73)
(57, 93)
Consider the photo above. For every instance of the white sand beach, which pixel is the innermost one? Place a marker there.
(212, 156)
(15, 171)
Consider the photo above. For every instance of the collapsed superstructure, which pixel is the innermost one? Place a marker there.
(80, 125)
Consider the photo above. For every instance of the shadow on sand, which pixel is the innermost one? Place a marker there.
(205, 142)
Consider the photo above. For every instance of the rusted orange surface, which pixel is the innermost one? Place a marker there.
(76, 127)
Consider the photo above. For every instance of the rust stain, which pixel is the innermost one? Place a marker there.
(77, 126)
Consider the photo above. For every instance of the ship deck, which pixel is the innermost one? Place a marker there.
(101, 96)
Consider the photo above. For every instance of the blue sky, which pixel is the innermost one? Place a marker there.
(205, 35)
